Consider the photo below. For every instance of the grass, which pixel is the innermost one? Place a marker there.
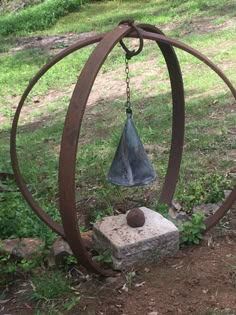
(209, 152)
(106, 13)
(210, 116)
(203, 133)
(58, 283)
(52, 291)
(34, 18)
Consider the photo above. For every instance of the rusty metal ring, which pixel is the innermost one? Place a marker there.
(178, 117)
(71, 133)
(132, 53)
(14, 159)
(227, 204)
(18, 175)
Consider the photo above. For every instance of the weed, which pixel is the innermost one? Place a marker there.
(206, 189)
(70, 260)
(53, 291)
(162, 208)
(11, 268)
(130, 276)
(97, 215)
(104, 257)
(72, 303)
(191, 231)
(8, 270)
(50, 286)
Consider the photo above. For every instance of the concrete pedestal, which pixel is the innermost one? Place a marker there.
(129, 246)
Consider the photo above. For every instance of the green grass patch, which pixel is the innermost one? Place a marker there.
(158, 12)
(36, 18)
(210, 115)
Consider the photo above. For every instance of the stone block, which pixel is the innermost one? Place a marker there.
(129, 246)
(25, 248)
(61, 249)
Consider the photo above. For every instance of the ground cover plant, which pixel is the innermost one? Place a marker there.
(37, 17)
(210, 140)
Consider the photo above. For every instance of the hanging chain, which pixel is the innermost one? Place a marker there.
(128, 103)
(129, 54)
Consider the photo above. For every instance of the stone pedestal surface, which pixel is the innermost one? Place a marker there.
(129, 246)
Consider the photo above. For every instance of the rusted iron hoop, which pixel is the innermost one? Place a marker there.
(178, 117)
(14, 159)
(227, 204)
(24, 189)
(72, 127)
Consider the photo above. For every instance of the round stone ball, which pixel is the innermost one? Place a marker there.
(135, 218)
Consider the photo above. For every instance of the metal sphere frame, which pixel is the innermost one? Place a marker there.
(69, 229)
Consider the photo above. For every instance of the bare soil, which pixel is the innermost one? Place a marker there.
(199, 280)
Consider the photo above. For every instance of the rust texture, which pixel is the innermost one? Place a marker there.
(69, 229)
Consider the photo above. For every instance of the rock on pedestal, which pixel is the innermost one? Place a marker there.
(156, 239)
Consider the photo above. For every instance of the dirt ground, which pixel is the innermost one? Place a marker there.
(196, 281)
(193, 282)
(199, 280)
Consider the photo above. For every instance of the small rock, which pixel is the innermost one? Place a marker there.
(135, 218)
(182, 216)
(111, 279)
(21, 248)
(141, 284)
(36, 100)
(87, 238)
(172, 212)
(227, 192)
(206, 209)
(176, 205)
(118, 305)
(59, 250)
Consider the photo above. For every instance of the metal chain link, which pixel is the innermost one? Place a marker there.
(128, 103)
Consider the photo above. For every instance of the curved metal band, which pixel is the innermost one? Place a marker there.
(28, 196)
(73, 123)
(215, 218)
(178, 117)
(69, 144)
(14, 159)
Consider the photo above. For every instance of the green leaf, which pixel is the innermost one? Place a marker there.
(196, 241)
